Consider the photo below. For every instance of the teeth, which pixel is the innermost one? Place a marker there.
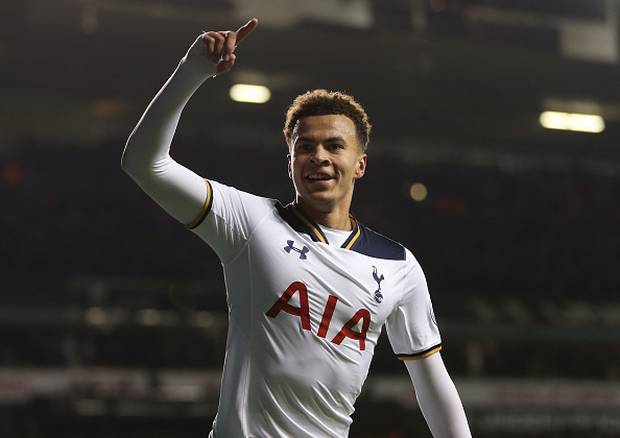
(319, 176)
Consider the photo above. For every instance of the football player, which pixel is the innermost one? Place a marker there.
(309, 287)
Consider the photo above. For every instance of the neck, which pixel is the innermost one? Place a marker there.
(336, 216)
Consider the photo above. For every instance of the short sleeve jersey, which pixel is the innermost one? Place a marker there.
(305, 316)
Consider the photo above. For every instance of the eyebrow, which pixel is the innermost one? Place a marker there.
(330, 139)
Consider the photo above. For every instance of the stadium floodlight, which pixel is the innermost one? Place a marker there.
(418, 192)
(572, 121)
(250, 93)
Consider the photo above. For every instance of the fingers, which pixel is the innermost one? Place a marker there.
(220, 46)
(209, 42)
(229, 45)
(224, 66)
(246, 29)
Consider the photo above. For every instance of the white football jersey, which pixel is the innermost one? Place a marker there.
(305, 316)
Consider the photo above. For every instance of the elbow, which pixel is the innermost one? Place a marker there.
(126, 164)
(132, 168)
(140, 162)
(138, 167)
(129, 164)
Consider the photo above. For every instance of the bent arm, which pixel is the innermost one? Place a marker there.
(438, 398)
(146, 157)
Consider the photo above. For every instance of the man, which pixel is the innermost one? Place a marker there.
(309, 287)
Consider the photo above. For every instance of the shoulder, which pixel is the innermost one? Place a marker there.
(374, 244)
(230, 195)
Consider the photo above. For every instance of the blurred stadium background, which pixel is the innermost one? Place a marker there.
(113, 317)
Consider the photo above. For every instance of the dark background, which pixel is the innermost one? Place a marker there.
(113, 317)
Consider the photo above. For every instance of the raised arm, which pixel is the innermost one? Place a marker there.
(438, 398)
(146, 157)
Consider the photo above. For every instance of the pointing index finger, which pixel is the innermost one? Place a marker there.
(246, 29)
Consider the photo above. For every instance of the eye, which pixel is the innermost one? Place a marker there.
(336, 146)
(304, 146)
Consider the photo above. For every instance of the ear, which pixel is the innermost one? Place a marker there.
(290, 170)
(360, 169)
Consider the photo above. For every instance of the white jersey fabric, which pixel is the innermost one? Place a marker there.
(305, 315)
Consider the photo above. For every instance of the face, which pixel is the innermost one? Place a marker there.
(325, 160)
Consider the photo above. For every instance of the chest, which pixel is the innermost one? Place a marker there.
(325, 286)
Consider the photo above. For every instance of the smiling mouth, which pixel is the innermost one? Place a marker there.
(319, 177)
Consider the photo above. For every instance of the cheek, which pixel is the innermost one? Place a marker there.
(295, 166)
(349, 168)
(296, 170)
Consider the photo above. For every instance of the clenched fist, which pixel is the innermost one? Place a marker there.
(214, 51)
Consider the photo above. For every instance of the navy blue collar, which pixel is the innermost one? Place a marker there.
(362, 239)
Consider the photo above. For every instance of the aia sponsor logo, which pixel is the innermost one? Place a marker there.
(303, 313)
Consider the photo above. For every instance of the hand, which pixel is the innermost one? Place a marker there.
(214, 51)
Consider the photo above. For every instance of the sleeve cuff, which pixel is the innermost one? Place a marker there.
(422, 354)
(205, 208)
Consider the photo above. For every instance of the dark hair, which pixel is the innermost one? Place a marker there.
(323, 102)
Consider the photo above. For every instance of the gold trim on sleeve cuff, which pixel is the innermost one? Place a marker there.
(421, 355)
(205, 208)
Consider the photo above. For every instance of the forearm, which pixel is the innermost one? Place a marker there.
(438, 398)
(146, 157)
(148, 146)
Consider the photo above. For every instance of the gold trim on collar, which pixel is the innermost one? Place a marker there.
(318, 232)
(357, 230)
(308, 223)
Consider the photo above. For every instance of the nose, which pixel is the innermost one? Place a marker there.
(320, 155)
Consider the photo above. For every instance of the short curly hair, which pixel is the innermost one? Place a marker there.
(322, 102)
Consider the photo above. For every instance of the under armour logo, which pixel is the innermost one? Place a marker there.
(378, 294)
(302, 252)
